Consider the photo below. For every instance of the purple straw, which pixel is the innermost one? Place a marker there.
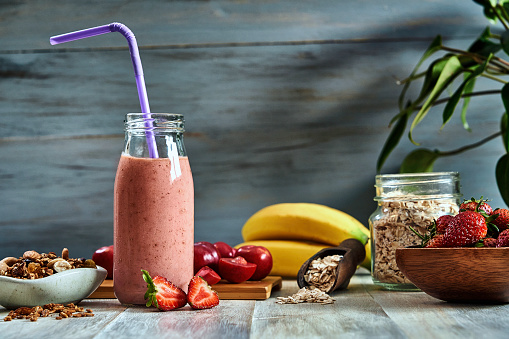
(138, 69)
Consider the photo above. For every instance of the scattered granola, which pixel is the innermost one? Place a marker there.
(34, 265)
(307, 295)
(391, 231)
(34, 313)
(321, 273)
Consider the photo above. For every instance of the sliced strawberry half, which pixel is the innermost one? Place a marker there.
(163, 294)
(200, 295)
(210, 276)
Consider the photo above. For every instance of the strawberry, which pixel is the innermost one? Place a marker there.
(489, 242)
(436, 241)
(503, 239)
(476, 206)
(163, 294)
(465, 229)
(502, 221)
(442, 222)
(200, 295)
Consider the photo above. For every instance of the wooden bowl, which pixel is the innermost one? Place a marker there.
(476, 275)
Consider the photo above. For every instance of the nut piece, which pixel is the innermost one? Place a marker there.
(61, 266)
(52, 262)
(7, 262)
(32, 255)
(65, 253)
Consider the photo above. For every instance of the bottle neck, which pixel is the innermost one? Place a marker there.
(167, 131)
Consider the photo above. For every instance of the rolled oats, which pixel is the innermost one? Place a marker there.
(310, 295)
(321, 273)
(391, 230)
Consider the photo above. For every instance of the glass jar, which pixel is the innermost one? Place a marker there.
(153, 206)
(407, 200)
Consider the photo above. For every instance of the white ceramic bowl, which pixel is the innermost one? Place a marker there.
(70, 286)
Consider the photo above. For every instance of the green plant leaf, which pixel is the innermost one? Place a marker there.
(420, 160)
(502, 175)
(432, 74)
(489, 10)
(392, 141)
(435, 46)
(450, 71)
(505, 122)
(483, 45)
(464, 87)
(504, 128)
(469, 88)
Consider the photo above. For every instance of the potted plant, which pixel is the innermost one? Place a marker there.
(457, 69)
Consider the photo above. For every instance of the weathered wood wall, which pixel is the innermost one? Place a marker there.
(284, 101)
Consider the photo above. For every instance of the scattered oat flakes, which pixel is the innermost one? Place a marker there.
(307, 295)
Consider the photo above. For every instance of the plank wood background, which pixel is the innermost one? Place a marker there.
(285, 101)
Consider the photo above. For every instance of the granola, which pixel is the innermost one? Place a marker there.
(34, 265)
(62, 311)
(391, 231)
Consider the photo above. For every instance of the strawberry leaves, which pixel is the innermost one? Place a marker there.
(150, 295)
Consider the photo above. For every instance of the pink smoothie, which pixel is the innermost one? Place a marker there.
(153, 225)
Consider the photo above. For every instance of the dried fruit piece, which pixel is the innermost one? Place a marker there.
(34, 268)
(89, 263)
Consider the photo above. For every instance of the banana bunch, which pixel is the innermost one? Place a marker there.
(293, 232)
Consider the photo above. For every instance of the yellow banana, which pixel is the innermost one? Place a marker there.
(308, 222)
(287, 255)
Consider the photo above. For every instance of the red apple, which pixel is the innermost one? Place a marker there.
(210, 276)
(258, 255)
(225, 250)
(236, 270)
(104, 258)
(205, 254)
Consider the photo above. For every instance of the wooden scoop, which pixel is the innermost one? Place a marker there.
(353, 253)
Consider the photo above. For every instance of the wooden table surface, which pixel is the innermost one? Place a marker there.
(363, 311)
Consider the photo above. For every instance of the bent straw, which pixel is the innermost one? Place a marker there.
(138, 69)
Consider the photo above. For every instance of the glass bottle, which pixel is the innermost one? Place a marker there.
(153, 207)
(407, 200)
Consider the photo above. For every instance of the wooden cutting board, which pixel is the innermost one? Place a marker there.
(256, 290)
